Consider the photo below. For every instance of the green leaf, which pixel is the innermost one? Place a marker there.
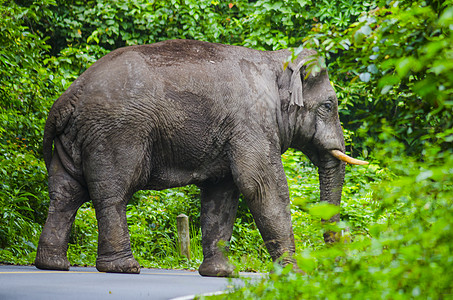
(359, 38)
(372, 69)
(365, 77)
(404, 65)
(324, 210)
(386, 89)
(446, 19)
(424, 175)
(273, 6)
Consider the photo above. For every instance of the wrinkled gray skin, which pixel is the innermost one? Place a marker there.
(186, 112)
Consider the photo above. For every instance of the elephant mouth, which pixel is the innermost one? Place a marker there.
(343, 157)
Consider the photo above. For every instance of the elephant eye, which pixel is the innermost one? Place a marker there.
(328, 105)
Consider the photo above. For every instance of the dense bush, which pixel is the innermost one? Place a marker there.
(26, 92)
(406, 254)
(393, 67)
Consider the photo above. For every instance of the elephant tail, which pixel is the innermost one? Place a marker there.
(58, 118)
(47, 142)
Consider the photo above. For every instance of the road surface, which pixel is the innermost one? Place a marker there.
(27, 282)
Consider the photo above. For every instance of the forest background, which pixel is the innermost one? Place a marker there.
(391, 64)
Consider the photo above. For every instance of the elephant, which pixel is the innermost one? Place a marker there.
(180, 112)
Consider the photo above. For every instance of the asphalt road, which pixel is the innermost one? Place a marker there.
(27, 282)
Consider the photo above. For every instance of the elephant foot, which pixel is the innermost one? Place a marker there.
(216, 267)
(119, 265)
(331, 237)
(291, 261)
(47, 259)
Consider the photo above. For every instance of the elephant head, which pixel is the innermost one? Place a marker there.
(317, 129)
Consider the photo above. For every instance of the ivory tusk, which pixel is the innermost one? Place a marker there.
(343, 157)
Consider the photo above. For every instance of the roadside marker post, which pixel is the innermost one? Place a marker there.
(182, 224)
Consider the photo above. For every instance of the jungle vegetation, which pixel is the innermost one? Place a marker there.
(391, 64)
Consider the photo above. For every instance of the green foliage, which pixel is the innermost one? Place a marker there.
(113, 24)
(18, 232)
(358, 208)
(407, 255)
(83, 239)
(395, 61)
(25, 95)
(242, 254)
(152, 223)
(281, 24)
(25, 84)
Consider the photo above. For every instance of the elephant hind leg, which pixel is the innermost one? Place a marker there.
(66, 196)
(111, 180)
(219, 204)
(114, 248)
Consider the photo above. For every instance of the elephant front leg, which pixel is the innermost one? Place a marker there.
(263, 183)
(273, 219)
(219, 204)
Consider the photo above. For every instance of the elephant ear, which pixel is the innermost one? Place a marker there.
(296, 87)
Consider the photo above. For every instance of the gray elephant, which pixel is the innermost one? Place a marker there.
(187, 112)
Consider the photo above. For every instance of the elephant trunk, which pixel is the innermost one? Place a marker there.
(331, 177)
